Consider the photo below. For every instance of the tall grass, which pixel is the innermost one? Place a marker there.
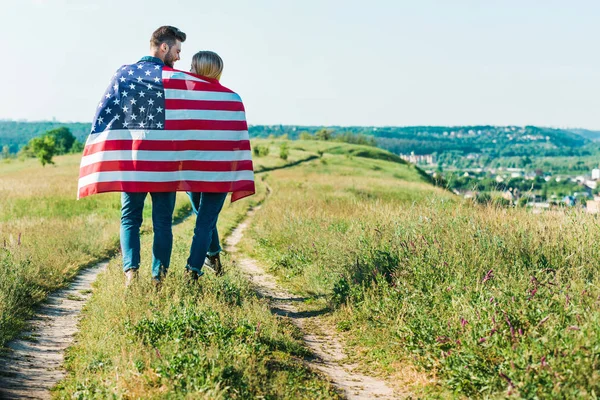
(490, 302)
(214, 340)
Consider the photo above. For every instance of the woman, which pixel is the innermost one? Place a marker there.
(205, 244)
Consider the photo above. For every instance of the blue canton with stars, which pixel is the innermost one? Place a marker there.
(135, 99)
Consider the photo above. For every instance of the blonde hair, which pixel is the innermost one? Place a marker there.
(207, 63)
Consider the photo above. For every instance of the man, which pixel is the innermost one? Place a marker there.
(165, 46)
(158, 130)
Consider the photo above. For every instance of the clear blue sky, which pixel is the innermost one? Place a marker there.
(323, 62)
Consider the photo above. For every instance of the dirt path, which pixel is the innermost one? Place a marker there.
(34, 364)
(329, 354)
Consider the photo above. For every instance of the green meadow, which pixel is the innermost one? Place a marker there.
(440, 297)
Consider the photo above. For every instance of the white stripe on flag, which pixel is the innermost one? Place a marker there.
(155, 134)
(177, 94)
(171, 176)
(149, 155)
(181, 76)
(205, 115)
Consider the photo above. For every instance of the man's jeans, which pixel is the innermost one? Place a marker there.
(209, 207)
(215, 245)
(132, 206)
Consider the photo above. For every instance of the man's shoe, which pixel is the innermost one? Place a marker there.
(192, 275)
(214, 264)
(157, 283)
(131, 276)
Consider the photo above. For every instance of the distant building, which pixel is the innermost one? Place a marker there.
(418, 158)
(595, 174)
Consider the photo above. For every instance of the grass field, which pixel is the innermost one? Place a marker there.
(435, 294)
(46, 235)
(488, 302)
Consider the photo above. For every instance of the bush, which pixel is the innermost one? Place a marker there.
(261, 151)
(284, 151)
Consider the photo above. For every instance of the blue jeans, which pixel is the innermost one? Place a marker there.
(209, 207)
(132, 206)
(215, 245)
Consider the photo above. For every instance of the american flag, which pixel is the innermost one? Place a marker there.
(157, 129)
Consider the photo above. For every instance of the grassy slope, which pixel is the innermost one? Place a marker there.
(46, 235)
(489, 302)
(215, 340)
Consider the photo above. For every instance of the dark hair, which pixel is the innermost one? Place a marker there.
(166, 34)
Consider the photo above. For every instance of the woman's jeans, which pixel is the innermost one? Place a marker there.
(132, 207)
(215, 245)
(209, 207)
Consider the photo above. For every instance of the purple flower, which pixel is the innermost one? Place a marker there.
(544, 320)
(488, 276)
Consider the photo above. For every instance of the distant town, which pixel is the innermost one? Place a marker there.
(516, 186)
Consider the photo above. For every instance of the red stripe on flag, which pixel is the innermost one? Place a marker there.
(194, 85)
(167, 145)
(166, 166)
(245, 187)
(205, 124)
(174, 104)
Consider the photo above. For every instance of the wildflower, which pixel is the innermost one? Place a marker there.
(463, 322)
(488, 276)
(481, 340)
(543, 320)
(532, 293)
(573, 328)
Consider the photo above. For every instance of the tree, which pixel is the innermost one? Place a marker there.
(77, 147)
(63, 139)
(324, 134)
(44, 148)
